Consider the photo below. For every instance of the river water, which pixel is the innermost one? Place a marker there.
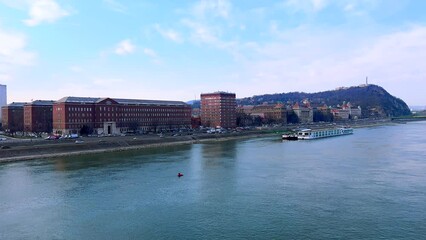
(368, 185)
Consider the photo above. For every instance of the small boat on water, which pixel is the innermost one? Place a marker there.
(289, 137)
(308, 134)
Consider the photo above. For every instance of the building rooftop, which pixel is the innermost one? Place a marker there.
(149, 102)
(41, 103)
(78, 100)
(16, 104)
(121, 101)
(219, 92)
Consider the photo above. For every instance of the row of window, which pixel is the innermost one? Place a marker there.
(70, 115)
(111, 109)
(145, 127)
(79, 109)
(160, 120)
(79, 115)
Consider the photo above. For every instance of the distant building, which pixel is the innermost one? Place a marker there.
(38, 116)
(269, 113)
(218, 110)
(346, 111)
(340, 114)
(3, 98)
(13, 117)
(304, 112)
(115, 116)
(195, 112)
(195, 118)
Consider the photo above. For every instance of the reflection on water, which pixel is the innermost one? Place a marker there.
(367, 185)
(122, 159)
(214, 154)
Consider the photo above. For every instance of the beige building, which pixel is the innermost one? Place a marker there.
(304, 112)
(276, 112)
(346, 111)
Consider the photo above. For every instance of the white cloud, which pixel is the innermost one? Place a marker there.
(200, 32)
(211, 35)
(349, 7)
(319, 4)
(18, 4)
(169, 34)
(218, 8)
(5, 77)
(13, 55)
(153, 55)
(307, 59)
(115, 6)
(12, 50)
(44, 11)
(149, 52)
(125, 47)
(305, 5)
(76, 69)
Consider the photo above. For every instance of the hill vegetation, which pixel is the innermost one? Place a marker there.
(373, 100)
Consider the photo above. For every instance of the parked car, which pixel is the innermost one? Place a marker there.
(52, 137)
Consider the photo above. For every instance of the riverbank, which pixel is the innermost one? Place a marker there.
(11, 151)
(41, 149)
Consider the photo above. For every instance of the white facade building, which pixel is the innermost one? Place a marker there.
(3, 98)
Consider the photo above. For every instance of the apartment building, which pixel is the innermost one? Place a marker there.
(218, 110)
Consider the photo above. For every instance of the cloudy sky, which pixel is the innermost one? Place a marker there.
(175, 50)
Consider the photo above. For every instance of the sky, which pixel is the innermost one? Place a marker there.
(175, 50)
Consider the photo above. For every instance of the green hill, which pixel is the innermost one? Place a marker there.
(374, 100)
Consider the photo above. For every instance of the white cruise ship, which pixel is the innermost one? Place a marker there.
(308, 134)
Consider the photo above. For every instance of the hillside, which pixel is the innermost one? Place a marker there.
(374, 100)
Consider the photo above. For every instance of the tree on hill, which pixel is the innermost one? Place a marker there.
(374, 100)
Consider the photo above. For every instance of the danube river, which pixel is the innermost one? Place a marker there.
(369, 185)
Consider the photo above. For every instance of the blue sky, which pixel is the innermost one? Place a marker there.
(175, 50)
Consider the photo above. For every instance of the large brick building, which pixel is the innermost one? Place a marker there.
(114, 116)
(38, 116)
(218, 110)
(13, 117)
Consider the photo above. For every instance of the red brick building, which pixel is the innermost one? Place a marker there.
(114, 116)
(38, 116)
(13, 117)
(218, 110)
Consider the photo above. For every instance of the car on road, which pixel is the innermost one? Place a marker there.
(52, 137)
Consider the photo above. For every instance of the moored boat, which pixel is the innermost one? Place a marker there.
(308, 134)
(289, 137)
